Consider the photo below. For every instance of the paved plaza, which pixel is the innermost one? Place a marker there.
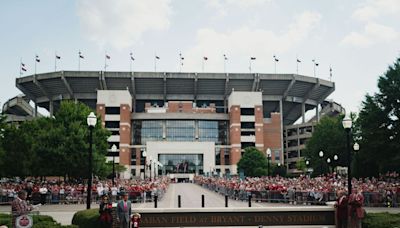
(190, 198)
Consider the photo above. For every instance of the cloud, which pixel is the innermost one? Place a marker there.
(246, 41)
(374, 8)
(223, 6)
(368, 13)
(121, 23)
(373, 33)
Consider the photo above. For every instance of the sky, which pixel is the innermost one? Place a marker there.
(358, 39)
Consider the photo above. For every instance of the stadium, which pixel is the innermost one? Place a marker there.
(181, 124)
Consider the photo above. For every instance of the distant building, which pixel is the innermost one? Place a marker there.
(188, 122)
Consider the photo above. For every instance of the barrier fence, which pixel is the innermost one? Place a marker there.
(371, 199)
(80, 198)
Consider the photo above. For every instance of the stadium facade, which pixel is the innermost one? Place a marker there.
(187, 123)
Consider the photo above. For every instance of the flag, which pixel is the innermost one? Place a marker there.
(131, 54)
(252, 58)
(226, 58)
(37, 59)
(108, 57)
(330, 69)
(157, 57)
(182, 58)
(81, 56)
(58, 57)
(23, 68)
(23, 64)
(316, 64)
(276, 60)
(205, 58)
(298, 60)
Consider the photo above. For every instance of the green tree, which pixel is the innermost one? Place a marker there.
(253, 163)
(301, 165)
(379, 126)
(329, 137)
(74, 137)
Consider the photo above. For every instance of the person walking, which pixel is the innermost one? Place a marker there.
(124, 211)
(105, 212)
(342, 213)
(356, 212)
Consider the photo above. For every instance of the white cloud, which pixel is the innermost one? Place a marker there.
(248, 42)
(223, 6)
(121, 23)
(373, 33)
(373, 8)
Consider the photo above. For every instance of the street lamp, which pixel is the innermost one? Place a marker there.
(356, 148)
(113, 151)
(268, 157)
(145, 165)
(347, 126)
(150, 161)
(321, 155)
(91, 122)
(335, 158)
(328, 161)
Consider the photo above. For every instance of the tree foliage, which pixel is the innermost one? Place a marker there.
(253, 163)
(329, 137)
(379, 126)
(54, 146)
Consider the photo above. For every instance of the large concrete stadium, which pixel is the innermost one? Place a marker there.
(187, 123)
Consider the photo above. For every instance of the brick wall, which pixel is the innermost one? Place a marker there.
(273, 133)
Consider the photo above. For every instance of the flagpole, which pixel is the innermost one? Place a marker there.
(79, 60)
(225, 63)
(330, 73)
(55, 61)
(35, 64)
(297, 65)
(180, 62)
(275, 65)
(130, 63)
(250, 65)
(105, 61)
(20, 67)
(155, 62)
(202, 65)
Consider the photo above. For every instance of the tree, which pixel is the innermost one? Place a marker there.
(329, 137)
(253, 163)
(379, 126)
(301, 165)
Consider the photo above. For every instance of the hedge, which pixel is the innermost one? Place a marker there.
(39, 221)
(87, 218)
(381, 220)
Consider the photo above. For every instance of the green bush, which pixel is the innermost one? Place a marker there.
(381, 220)
(87, 218)
(39, 221)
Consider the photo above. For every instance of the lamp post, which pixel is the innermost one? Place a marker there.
(145, 165)
(150, 161)
(356, 148)
(321, 155)
(268, 157)
(307, 164)
(113, 151)
(335, 158)
(91, 122)
(328, 161)
(347, 126)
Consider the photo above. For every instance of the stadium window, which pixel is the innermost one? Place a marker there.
(112, 110)
(247, 111)
(112, 124)
(247, 125)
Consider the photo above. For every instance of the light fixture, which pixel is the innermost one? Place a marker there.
(91, 120)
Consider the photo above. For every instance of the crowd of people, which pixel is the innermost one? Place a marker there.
(60, 192)
(381, 191)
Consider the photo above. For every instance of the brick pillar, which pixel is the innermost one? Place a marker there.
(259, 125)
(234, 135)
(101, 111)
(125, 139)
(272, 135)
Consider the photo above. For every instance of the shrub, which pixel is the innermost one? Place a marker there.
(87, 218)
(381, 220)
(39, 221)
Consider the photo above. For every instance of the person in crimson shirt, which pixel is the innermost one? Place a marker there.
(105, 212)
(356, 212)
(341, 206)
